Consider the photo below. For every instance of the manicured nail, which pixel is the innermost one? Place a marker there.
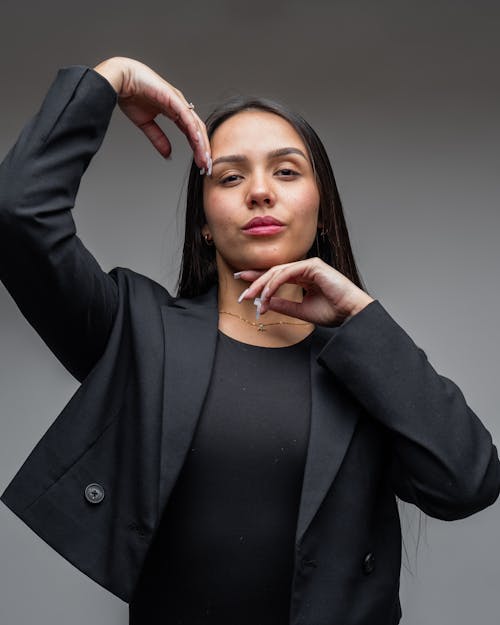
(258, 303)
(237, 275)
(202, 171)
(240, 298)
(209, 164)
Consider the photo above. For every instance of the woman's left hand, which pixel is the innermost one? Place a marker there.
(330, 297)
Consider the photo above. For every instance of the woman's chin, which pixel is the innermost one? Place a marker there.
(259, 260)
(263, 263)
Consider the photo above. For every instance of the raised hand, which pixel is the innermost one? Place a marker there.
(143, 95)
(330, 297)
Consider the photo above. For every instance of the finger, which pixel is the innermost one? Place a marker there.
(179, 112)
(203, 142)
(248, 275)
(286, 307)
(258, 285)
(203, 130)
(284, 274)
(294, 273)
(155, 95)
(299, 272)
(200, 145)
(307, 273)
(157, 137)
(195, 146)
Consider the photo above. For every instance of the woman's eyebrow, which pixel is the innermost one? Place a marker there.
(238, 158)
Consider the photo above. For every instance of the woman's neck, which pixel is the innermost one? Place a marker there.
(236, 319)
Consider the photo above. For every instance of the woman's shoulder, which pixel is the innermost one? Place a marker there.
(134, 285)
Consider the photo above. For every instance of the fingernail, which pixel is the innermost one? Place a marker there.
(258, 302)
(237, 275)
(240, 298)
(209, 164)
(202, 171)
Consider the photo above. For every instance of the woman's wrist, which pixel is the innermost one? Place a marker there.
(361, 302)
(113, 71)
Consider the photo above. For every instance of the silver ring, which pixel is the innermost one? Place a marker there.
(191, 106)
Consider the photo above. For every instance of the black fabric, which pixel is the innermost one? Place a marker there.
(224, 551)
(54, 279)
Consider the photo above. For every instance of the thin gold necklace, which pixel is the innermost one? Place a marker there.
(261, 327)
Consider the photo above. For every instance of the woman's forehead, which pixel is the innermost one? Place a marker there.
(255, 131)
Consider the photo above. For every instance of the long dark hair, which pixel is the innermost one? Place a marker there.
(198, 270)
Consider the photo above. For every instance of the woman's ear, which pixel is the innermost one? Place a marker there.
(205, 233)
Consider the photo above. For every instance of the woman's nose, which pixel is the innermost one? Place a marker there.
(260, 194)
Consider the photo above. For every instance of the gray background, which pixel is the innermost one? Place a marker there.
(406, 97)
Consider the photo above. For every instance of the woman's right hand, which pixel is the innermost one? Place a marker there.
(143, 95)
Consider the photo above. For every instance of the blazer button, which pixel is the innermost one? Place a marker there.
(368, 563)
(94, 493)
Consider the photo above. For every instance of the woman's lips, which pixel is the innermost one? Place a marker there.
(263, 230)
(259, 226)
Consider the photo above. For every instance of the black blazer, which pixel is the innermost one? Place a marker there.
(383, 421)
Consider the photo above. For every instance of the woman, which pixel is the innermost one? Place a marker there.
(233, 455)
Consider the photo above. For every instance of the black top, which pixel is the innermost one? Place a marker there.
(223, 553)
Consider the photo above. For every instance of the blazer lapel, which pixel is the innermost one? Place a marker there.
(333, 419)
(190, 330)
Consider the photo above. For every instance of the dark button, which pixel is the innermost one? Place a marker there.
(307, 562)
(94, 493)
(368, 563)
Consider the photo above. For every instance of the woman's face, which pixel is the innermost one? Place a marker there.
(261, 202)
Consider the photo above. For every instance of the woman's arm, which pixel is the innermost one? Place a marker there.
(53, 278)
(443, 459)
(56, 282)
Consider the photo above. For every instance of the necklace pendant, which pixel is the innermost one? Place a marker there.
(261, 328)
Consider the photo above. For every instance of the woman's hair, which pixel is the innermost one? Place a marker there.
(198, 270)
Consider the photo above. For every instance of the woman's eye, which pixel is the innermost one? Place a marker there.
(287, 172)
(230, 178)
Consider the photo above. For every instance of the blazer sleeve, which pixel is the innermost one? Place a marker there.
(53, 278)
(443, 459)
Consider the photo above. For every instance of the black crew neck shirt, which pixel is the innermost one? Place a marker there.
(223, 553)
